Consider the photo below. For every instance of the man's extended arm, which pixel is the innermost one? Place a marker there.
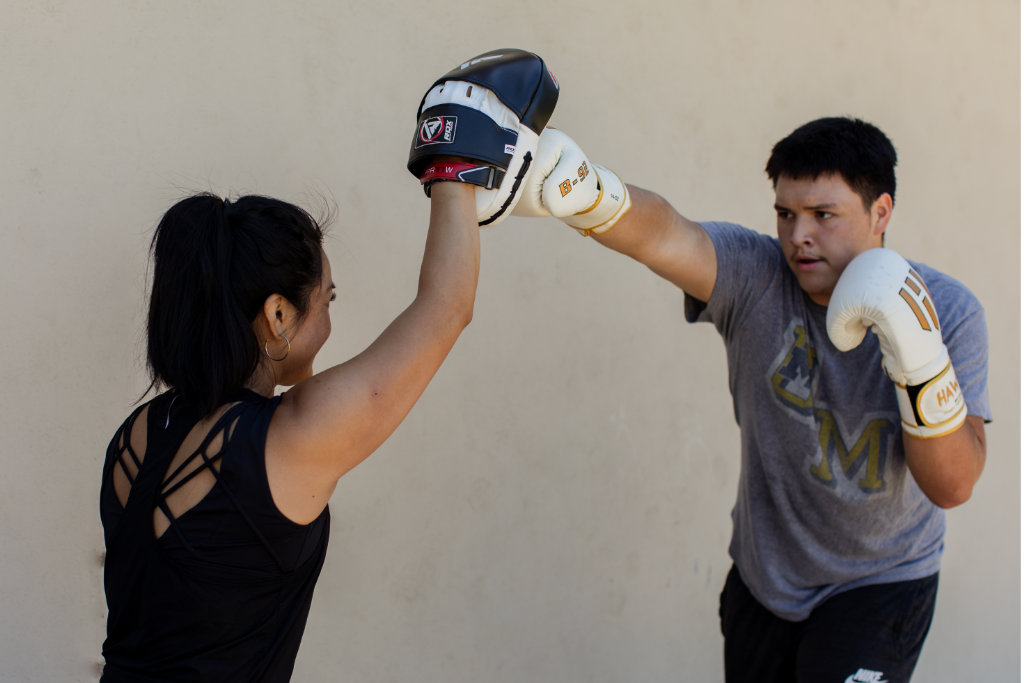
(630, 220)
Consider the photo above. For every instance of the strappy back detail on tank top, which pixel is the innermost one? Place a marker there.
(193, 450)
(191, 474)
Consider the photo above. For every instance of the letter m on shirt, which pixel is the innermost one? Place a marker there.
(864, 456)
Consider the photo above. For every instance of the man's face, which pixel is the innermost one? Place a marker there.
(822, 224)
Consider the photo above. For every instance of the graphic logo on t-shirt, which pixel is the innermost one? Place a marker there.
(859, 452)
(792, 378)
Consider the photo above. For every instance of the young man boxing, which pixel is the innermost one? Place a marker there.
(852, 443)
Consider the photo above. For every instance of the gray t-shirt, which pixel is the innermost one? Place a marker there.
(825, 502)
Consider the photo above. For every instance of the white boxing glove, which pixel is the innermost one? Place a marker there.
(564, 184)
(881, 291)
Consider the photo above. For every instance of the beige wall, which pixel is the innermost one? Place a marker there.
(556, 508)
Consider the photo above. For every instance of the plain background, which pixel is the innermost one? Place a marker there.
(556, 507)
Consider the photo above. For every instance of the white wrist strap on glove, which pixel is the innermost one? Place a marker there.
(933, 408)
(612, 203)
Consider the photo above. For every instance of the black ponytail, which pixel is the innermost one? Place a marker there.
(215, 264)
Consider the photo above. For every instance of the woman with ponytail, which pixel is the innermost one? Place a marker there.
(214, 494)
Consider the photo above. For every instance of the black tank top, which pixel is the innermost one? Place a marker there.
(223, 594)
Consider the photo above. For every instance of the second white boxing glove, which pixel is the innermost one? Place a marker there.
(564, 184)
(881, 291)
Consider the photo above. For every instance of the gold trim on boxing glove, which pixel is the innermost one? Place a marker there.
(917, 297)
(606, 202)
(585, 232)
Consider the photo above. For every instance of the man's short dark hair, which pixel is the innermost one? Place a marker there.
(855, 150)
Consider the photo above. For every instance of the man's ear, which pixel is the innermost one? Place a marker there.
(881, 212)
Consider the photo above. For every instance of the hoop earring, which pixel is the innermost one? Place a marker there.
(288, 349)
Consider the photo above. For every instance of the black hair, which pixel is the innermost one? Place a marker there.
(856, 150)
(215, 264)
